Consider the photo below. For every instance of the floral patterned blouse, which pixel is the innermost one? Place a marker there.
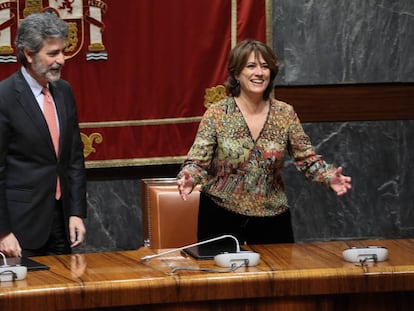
(243, 175)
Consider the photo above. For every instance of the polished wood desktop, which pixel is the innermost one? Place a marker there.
(302, 276)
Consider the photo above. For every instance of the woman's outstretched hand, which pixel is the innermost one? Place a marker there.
(340, 183)
(185, 184)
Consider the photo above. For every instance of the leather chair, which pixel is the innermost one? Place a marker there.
(169, 222)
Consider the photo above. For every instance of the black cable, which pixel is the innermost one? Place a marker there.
(363, 262)
(232, 268)
(14, 274)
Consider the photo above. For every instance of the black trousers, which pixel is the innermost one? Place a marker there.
(214, 221)
(57, 243)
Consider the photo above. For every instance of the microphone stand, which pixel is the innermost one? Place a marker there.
(5, 264)
(149, 257)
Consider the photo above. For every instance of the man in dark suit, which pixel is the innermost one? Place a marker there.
(42, 184)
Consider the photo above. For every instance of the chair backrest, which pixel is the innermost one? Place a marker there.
(169, 222)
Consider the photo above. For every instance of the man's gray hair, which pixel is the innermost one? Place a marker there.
(34, 29)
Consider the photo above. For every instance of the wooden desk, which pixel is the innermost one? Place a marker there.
(310, 276)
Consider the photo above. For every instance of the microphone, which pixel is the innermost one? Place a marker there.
(246, 258)
(11, 272)
(149, 257)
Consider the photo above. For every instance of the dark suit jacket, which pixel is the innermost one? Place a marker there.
(29, 166)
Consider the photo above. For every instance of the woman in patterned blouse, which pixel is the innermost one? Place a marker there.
(239, 151)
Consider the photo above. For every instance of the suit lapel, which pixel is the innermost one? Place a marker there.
(59, 99)
(27, 100)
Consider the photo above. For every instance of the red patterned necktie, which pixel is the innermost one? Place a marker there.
(50, 116)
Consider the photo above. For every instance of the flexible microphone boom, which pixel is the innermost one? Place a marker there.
(248, 258)
(149, 257)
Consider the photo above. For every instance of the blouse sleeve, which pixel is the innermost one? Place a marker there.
(202, 151)
(304, 155)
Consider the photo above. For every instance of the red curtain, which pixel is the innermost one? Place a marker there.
(141, 105)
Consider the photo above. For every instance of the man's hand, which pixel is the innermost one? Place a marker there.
(10, 246)
(77, 231)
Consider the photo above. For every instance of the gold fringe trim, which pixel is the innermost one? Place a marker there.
(233, 23)
(138, 122)
(134, 162)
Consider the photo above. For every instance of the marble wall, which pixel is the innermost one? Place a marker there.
(379, 157)
(344, 41)
(317, 42)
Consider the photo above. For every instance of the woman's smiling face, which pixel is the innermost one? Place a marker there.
(254, 78)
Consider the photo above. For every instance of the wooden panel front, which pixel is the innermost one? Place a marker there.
(303, 276)
(360, 102)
